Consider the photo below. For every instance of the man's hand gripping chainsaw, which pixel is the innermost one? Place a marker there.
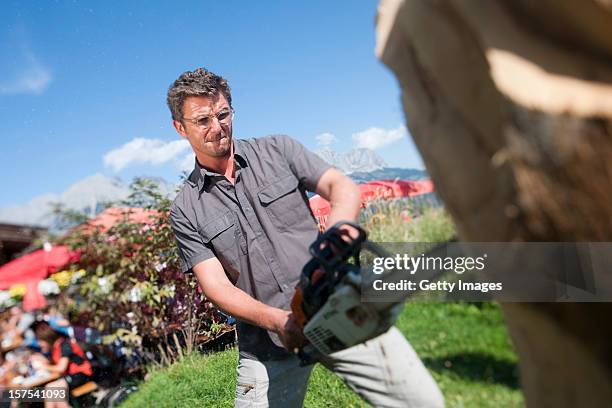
(327, 302)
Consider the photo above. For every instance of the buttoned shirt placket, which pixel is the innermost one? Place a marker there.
(236, 193)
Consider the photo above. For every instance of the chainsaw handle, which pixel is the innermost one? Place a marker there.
(334, 235)
(296, 308)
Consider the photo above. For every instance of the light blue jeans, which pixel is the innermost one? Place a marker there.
(385, 371)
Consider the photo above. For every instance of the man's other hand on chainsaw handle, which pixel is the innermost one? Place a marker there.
(289, 332)
(344, 197)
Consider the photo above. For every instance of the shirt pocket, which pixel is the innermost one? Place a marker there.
(223, 236)
(283, 202)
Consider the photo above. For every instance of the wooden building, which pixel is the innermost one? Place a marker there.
(16, 238)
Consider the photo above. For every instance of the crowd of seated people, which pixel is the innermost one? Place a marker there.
(36, 347)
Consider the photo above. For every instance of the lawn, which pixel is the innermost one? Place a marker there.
(465, 347)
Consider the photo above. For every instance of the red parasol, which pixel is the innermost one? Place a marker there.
(113, 215)
(32, 268)
(319, 206)
(374, 190)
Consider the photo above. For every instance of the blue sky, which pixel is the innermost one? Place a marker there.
(81, 81)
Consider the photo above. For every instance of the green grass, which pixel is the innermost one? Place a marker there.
(468, 351)
(465, 347)
(433, 225)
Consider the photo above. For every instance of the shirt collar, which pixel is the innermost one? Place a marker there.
(201, 174)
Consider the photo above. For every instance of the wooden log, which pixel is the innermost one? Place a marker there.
(510, 104)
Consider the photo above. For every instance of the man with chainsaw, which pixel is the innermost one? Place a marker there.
(243, 227)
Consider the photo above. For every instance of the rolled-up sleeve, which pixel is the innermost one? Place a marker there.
(191, 248)
(305, 165)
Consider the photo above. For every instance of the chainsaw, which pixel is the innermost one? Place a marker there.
(327, 302)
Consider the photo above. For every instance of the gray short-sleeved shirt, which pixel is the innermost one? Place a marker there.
(259, 229)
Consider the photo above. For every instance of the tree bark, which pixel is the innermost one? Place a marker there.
(510, 104)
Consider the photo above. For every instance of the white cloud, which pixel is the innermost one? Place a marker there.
(325, 139)
(375, 138)
(33, 76)
(142, 151)
(35, 212)
(187, 163)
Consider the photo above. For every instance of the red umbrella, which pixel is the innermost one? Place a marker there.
(111, 216)
(33, 299)
(319, 206)
(394, 188)
(32, 268)
(375, 190)
(36, 265)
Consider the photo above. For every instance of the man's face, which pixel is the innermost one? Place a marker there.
(215, 140)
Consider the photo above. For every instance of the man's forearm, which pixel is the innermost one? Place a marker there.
(243, 307)
(345, 201)
(220, 291)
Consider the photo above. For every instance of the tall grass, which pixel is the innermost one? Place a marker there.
(405, 221)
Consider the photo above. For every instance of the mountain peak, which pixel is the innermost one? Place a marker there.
(356, 160)
(87, 195)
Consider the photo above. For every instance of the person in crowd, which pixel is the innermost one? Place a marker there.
(19, 322)
(67, 359)
(58, 322)
(4, 369)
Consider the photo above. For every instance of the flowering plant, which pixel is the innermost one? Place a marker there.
(17, 291)
(131, 280)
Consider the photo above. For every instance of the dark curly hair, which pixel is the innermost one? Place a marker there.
(199, 82)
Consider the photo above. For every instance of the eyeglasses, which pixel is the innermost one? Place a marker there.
(224, 116)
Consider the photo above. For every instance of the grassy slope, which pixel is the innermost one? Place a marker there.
(465, 346)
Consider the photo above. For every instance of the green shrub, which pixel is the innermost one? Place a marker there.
(133, 289)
